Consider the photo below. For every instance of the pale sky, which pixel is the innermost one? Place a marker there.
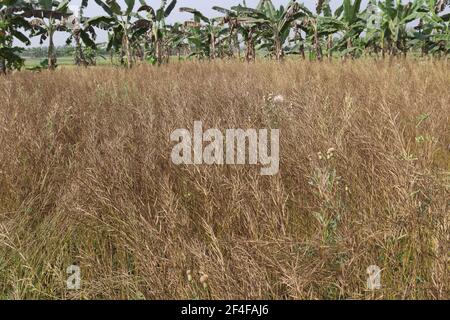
(202, 5)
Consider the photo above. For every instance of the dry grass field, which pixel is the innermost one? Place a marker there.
(86, 179)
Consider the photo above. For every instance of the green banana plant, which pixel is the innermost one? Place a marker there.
(198, 40)
(393, 27)
(205, 37)
(323, 6)
(433, 31)
(10, 23)
(176, 38)
(208, 37)
(346, 21)
(48, 17)
(273, 25)
(119, 24)
(80, 33)
(235, 26)
(309, 25)
(154, 24)
(240, 24)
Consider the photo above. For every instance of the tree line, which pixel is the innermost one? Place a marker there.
(60, 51)
(381, 28)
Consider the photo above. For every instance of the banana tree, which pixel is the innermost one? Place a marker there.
(394, 21)
(273, 25)
(155, 24)
(372, 33)
(240, 24)
(209, 33)
(433, 33)
(119, 24)
(297, 42)
(236, 25)
(80, 33)
(48, 18)
(346, 21)
(10, 23)
(323, 6)
(176, 38)
(309, 24)
(198, 40)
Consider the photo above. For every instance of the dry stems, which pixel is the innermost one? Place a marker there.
(86, 178)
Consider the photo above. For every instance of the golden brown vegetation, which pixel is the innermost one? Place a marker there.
(86, 178)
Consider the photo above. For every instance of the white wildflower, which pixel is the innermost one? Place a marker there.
(330, 153)
(204, 280)
(189, 275)
(278, 99)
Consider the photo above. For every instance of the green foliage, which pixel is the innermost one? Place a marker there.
(142, 32)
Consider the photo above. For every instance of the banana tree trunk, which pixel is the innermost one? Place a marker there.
(139, 53)
(230, 46)
(80, 59)
(230, 41)
(349, 46)
(236, 43)
(404, 48)
(424, 51)
(51, 56)
(317, 47)
(2, 66)
(383, 47)
(301, 42)
(329, 46)
(302, 51)
(213, 46)
(278, 48)
(158, 51)
(167, 54)
(392, 49)
(126, 43)
(250, 48)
